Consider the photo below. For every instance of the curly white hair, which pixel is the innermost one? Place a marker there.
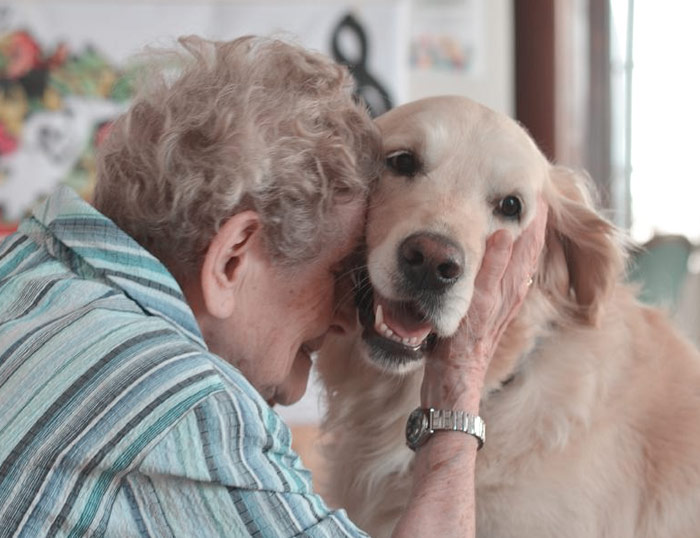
(255, 123)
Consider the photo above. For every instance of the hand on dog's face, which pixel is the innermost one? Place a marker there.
(499, 290)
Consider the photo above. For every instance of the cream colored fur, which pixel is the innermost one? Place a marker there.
(598, 432)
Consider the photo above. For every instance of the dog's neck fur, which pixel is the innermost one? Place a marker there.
(519, 342)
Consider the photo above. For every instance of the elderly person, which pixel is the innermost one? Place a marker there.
(144, 341)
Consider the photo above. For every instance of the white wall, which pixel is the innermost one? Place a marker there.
(493, 82)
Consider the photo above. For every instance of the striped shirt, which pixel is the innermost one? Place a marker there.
(115, 419)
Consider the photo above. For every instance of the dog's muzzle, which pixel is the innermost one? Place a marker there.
(400, 332)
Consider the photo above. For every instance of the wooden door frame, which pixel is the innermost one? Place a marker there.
(562, 82)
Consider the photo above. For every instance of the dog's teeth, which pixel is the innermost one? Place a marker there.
(384, 330)
(379, 317)
(391, 335)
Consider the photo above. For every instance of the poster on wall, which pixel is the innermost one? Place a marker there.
(64, 72)
(446, 36)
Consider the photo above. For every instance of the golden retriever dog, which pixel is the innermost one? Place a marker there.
(592, 400)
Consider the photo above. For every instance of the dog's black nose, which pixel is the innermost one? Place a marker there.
(431, 261)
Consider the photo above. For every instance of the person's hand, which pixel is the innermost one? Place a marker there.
(454, 379)
(501, 285)
(499, 290)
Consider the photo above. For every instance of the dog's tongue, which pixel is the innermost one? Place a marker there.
(402, 321)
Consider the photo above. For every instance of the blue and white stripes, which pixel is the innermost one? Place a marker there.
(115, 420)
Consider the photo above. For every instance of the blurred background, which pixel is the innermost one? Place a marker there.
(606, 85)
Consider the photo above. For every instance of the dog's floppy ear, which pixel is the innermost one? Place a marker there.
(584, 255)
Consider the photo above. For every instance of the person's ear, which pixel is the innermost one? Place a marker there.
(225, 261)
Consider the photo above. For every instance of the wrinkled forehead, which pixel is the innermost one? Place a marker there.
(457, 133)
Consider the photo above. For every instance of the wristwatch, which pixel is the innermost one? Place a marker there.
(423, 423)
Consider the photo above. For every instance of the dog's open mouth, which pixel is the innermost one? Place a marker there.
(400, 322)
(398, 330)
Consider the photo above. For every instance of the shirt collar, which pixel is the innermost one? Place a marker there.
(94, 247)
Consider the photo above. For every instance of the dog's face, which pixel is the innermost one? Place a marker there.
(456, 172)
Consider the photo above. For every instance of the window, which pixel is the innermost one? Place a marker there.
(656, 102)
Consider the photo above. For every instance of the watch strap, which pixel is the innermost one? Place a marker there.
(450, 420)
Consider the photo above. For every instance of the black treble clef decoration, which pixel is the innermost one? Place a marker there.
(367, 87)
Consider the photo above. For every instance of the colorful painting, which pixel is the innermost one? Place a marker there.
(56, 104)
(446, 36)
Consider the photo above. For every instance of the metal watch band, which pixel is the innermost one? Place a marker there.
(446, 419)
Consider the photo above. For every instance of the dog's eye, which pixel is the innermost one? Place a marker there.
(510, 207)
(403, 163)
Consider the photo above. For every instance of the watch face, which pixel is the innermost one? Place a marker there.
(416, 426)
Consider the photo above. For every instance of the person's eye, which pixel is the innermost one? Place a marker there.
(510, 207)
(403, 163)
